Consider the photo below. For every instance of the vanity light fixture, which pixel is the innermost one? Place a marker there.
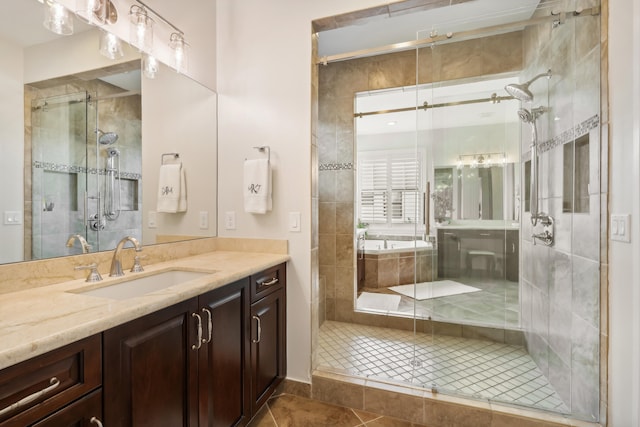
(110, 46)
(180, 48)
(141, 28)
(142, 34)
(57, 18)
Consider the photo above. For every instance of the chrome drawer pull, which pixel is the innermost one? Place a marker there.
(259, 330)
(209, 324)
(96, 421)
(54, 382)
(197, 347)
(270, 282)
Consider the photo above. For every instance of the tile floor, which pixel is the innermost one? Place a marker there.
(496, 305)
(476, 368)
(286, 410)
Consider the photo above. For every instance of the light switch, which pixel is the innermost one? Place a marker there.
(151, 219)
(230, 220)
(294, 221)
(204, 220)
(620, 227)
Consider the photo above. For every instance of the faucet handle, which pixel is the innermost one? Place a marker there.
(94, 275)
(137, 268)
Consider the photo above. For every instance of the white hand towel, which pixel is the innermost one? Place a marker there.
(257, 186)
(182, 201)
(170, 189)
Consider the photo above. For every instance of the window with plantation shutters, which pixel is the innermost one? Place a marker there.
(389, 188)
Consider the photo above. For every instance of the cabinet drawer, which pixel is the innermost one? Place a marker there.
(38, 387)
(267, 281)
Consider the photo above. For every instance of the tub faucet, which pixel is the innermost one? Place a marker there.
(83, 242)
(116, 264)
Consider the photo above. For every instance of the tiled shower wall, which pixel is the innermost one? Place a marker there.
(335, 136)
(560, 285)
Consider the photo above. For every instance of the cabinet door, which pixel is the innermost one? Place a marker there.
(150, 370)
(512, 257)
(268, 346)
(85, 412)
(224, 357)
(448, 254)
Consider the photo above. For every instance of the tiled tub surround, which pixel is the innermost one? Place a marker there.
(38, 313)
(386, 268)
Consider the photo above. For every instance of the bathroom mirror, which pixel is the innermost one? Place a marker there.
(176, 115)
(466, 148)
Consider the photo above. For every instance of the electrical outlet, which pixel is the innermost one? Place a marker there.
(204, 220)
(230, 220)
(12, 218)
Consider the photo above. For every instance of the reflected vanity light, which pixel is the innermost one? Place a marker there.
(92, 11)
(110, 45)
(141, 28)
(481, 160)
(57, 18)
(150, 66)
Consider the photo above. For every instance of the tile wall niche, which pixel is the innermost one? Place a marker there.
(561, 285)
(338, 83)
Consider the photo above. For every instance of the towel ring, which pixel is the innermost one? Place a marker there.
(174, 155)
(262, 149)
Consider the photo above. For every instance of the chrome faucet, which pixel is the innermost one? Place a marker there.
(116, 264)
(83, 242)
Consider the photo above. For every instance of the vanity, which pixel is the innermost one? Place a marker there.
(208, 351)
(461, 249)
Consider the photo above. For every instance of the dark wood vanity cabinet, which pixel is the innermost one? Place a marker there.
(268, 333)
(200, 362)
(212, 360)
(456, 246)
(449, 250)
(151, 370)
(223, 360)
(58, 388)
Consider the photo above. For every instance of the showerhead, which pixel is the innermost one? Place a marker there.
(525, 115)
(521, 90)
(106, 138)
(113, 152)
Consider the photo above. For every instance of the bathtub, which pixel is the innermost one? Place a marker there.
(403, 262)
(394, 246)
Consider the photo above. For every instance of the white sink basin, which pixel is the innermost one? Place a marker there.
(143, 285)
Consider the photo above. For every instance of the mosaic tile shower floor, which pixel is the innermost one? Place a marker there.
(481, 369)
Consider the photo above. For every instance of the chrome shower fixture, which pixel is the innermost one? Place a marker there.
(106, 138)
(521, 90)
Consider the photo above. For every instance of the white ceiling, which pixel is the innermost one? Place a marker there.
(401, 28)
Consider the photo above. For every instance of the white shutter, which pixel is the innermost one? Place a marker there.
(372, 174)
(390, 190)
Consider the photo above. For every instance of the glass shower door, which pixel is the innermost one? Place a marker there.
(59, 173)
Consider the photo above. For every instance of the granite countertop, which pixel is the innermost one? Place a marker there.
(35, 321)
